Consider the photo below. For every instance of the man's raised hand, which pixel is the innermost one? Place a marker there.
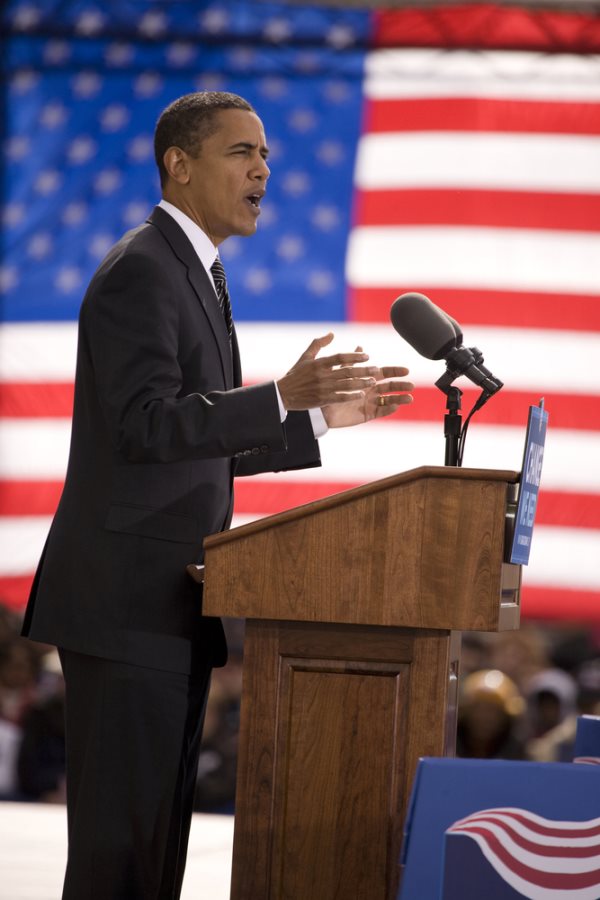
(329, 380)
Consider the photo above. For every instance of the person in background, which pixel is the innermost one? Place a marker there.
(489, 715)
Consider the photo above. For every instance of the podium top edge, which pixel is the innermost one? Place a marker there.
(418, 474)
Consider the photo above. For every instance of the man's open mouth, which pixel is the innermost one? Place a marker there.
(254, 200)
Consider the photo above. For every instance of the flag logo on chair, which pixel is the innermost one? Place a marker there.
(539, 858)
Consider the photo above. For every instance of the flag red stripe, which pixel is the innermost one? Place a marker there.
(491, 208)
(559, 604)
(14, 591)
(537, 602)
(551, 880)
(487, 26)
(26, 400)
(514, 309)
(573, 411)
(265, 498)
(541, 849)
(476, 114)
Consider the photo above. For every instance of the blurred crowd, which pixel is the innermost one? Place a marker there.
(519, 697)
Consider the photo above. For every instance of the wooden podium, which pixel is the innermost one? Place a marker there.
(354, 606)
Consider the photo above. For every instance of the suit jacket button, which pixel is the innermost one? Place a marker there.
(255, 451)
(264, 448)
(247, 452)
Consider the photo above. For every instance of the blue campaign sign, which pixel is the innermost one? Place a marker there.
(502, 830)
(530, 484)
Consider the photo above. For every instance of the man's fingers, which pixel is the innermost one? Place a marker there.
(392, 387)
(394, 371)
(315, 346)
(342, 359)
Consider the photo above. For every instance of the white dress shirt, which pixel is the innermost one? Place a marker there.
(207, 253)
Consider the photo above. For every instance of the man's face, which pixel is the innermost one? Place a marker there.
(229, 177)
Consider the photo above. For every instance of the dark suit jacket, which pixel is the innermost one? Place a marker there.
(160, 427)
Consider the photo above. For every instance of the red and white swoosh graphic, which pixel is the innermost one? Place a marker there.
(541, 858)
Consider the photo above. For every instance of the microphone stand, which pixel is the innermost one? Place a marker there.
(452, 426)
(469, 362)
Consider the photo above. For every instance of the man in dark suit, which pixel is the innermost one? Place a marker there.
(161, 425)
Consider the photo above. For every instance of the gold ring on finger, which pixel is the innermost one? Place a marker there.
(381, 401)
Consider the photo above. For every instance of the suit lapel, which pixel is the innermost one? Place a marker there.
(202, 287)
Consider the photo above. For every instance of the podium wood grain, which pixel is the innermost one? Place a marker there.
(353, 607)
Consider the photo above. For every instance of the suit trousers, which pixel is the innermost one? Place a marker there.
(133, 741)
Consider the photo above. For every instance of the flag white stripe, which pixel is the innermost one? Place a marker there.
(490, 258)
(521, 162)
(22, 539)
(392, 73)
(536, 359)
(38, 449)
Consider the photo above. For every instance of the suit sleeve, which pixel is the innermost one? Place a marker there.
(130, 321)
(302, 450)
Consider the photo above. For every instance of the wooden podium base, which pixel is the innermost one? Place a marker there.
(334, 719)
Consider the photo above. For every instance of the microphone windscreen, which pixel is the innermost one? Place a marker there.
(425, 326)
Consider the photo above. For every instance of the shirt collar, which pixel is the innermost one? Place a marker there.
(202, 244)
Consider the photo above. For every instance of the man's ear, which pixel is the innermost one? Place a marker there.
(176, 162)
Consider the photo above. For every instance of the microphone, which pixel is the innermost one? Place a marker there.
(436, 335)
(425, 326)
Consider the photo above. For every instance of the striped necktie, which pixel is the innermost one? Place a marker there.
(218, 274)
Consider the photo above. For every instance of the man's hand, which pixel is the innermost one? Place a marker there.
(328, 382)
(381, 399)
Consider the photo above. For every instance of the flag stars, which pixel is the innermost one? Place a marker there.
(258, 280)
(341, 36)
(337, 92)
(148, 84)
(321, 282)
(40, 245)
(86, 84)
(331, 153)
(274, 88)
(277, 30)
(9, 278)
(114, 117)
(242, 58)
(119, 54)
(296, 183)
(215, 20)
(180, 53)
(53, 115)
(81, 150)
(107, 181)
(291, 248)
(23, 81)
(268, 215)
(100, 244)
(74, 213)
(56, 52)
(47, 182)
(141, 148)
(26, 16)
(153, 23)
(210, 81)
(17, 148)
(89, 22)
(135, 212)
(325, 217)
(303, 120)
(68, 279)
(13, 214)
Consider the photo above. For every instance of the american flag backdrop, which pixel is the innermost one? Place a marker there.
(453, 151)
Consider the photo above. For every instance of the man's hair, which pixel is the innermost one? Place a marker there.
(188, 121)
